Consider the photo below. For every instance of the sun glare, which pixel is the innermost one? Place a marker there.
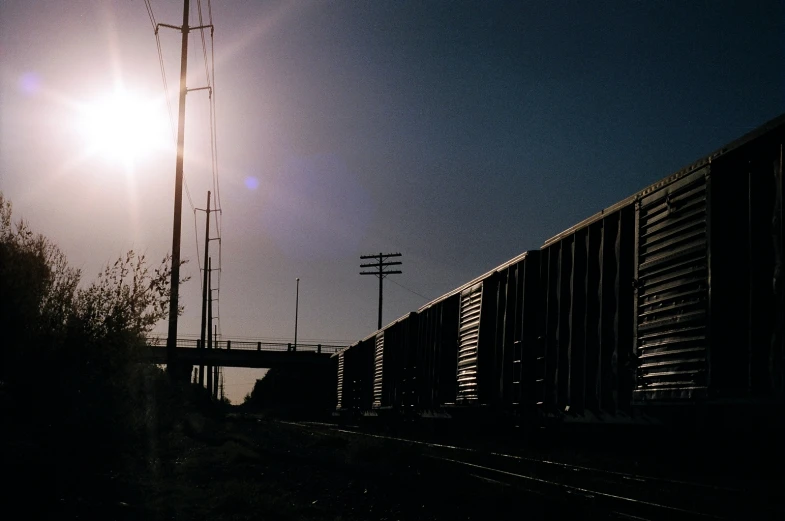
(123, 128)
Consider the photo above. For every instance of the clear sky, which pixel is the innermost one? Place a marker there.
(457, 133)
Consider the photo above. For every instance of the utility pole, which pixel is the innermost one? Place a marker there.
(174, 298)
(380, 264)
(174, 305)
(214, 339)
(222, 384)
(215, 368)
(208, 268)
(204, 286)
(296, 309)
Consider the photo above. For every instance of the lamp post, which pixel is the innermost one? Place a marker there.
(296, 309)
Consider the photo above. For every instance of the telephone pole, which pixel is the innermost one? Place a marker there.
(208, 267)
(204, 287)
(174, 304)
(380, 264)
(296, 309)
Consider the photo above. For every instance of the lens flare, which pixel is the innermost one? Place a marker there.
(123, 127)
(251, 183)
(29, 83)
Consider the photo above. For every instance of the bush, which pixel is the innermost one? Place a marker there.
(73, 385)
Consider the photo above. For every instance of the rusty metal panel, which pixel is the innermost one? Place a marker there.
(364, 375)
(581, 367)
(427, 335)
(402, 348)
(417, 363)
(393, 368)
(507, 298)
(562, 338)
(672, 290)
(378, 369)
(576, 349)
(350, 378)
(516, 311)
(339, 405)
(468, 340)
(358, 376)
(439, 326)
(745, 241)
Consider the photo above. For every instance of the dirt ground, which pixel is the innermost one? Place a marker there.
(253, 468)
(248, 466)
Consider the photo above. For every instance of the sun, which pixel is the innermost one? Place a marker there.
(124, 128)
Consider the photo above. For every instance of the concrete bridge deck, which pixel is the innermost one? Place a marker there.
(228, 353)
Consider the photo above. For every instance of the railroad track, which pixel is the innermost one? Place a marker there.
(610, 493)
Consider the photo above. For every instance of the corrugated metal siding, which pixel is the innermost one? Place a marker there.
(585, 314)
(444, 324)
(673, 290)
(363, 374)
(377, 370)
(468, 337)
(340, 381)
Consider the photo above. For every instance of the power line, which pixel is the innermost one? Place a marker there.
(411, 290)
(209, 68)
(166, 88)
(204, 46)
(150, 12)
(198, 262)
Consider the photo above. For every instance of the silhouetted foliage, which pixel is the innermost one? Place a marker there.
(74, 393)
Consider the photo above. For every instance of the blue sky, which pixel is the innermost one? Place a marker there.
(457, 133)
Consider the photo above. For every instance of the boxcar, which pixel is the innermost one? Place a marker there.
(395, 366)
(708, 288)
(355, 377)
(584, 363)
(671, 297)
(472, 341)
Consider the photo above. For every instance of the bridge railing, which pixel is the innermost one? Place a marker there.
(247, 345)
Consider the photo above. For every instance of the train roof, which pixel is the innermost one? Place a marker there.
(474, 281)
(767, 127)
(447, 295)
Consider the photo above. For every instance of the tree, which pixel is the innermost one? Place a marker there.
(69, 363)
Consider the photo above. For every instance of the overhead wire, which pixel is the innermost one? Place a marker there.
(210, 77)
(150, 12)
(198, 256)
(209, 66)
(410, 290)
(151, 15)
(204, 46)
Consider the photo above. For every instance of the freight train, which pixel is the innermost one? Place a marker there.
(666, 307)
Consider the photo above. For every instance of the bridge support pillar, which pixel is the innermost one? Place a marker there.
(199, 346)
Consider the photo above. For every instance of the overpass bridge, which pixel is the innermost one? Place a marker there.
(244, 353)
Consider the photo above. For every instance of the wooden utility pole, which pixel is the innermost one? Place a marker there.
(174, 304)
(208, 269)
(204, 286)
(296, 310)
(380, 264)
(215, 368)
